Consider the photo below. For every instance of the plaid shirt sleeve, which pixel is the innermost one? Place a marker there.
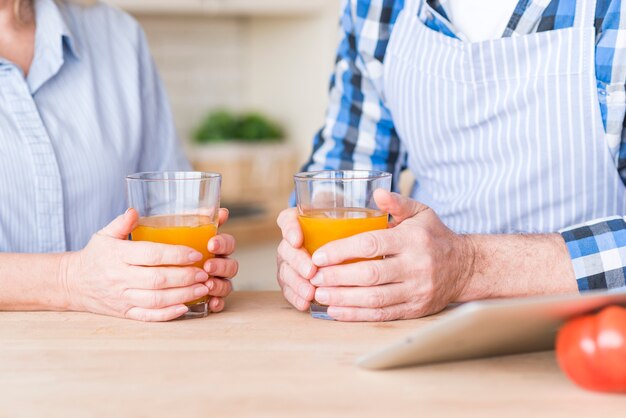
(358, 132)
(598, 252)
(598, 248)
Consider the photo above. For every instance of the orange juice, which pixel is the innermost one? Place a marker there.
(193, 231)
(322, 226)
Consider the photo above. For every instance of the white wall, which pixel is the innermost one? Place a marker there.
(277, 65)
(288, 69)
(201, 61)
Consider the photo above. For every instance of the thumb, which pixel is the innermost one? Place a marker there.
(398, 206)
(121, 226)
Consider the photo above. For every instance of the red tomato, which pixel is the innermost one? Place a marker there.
(591, 350)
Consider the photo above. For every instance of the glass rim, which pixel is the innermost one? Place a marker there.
(360, 175)
(173, 176)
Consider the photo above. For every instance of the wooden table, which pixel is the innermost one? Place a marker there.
(260, 358)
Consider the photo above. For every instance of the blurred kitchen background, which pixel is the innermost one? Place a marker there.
(270, 57)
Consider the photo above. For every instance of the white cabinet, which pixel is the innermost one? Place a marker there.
(273, 7)
(225, 7)
(161, 6)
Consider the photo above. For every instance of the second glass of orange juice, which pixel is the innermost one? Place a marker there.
(338, 204)
(178, 208)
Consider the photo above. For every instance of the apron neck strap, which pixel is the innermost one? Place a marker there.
(415, 7)
(585, 13)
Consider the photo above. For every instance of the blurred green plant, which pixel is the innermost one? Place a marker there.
(224, 125)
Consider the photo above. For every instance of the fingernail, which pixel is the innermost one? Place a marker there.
(209, 268)
(127, 210)
(182, 310)
(292, 237)
(321, 295)
(202, 276)
(195, 256)
(210, 284)
(318, 279)
(201, 290)
(320, 258)
(215, 245)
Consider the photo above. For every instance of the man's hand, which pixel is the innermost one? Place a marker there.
(293, 262)
(425, 266)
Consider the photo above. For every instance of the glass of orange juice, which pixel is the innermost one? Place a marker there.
(179, 208)
(338, 204)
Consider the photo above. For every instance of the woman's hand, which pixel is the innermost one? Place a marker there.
(143, 280)
(221, 268)
(425, 266)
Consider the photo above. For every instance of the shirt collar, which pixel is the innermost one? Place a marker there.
(524, 20)
(53, 42)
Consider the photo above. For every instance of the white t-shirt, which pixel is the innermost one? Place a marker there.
(480, 20)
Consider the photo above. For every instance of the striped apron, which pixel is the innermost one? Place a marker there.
(504, 135)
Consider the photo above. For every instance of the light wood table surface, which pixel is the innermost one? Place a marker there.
(260, 358)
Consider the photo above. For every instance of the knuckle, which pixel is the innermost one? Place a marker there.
(305, 291)
(151, 255)
(301, 304)
(379, 315)
(291, 297)
(372, 273)
(155, 300)
(180, 254)
(286, 293)
(226, 288)
(234, 268)
(415, 312)
(128, 313)
(335, 298)
(128, 297)
(376, 299)
(137, 314)
(282, 272)
(280, 218)
(190, 275)
(370, 245)
(230, 243)
(285, 217)
(290, 275)
(218, 305)
(159, 279)
(328, 276)
(428, 266)
(282, 249)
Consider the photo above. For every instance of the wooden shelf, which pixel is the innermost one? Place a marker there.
(255, 175)
(244, 8)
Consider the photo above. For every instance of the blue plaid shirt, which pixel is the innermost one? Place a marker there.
(359, 132)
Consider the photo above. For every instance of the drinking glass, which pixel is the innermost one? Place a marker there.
(338, 204)
(178, 208)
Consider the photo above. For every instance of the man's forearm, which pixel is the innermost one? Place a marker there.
(32, 282)
(518, 265)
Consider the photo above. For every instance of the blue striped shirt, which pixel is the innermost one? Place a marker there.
(359, 131)
(91, 110)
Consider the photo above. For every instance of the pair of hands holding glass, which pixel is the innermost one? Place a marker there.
(144, 280)
(425, 266)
